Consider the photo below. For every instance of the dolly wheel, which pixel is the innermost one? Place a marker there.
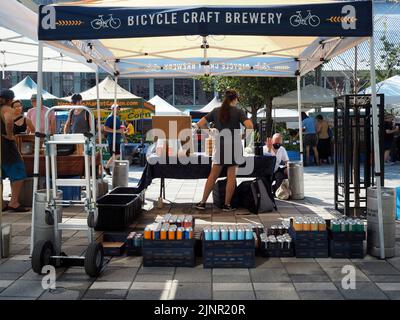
(94, 259)
(41, 254)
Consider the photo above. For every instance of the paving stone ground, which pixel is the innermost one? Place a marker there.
(274, 278)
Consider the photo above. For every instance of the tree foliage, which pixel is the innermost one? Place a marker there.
(254, 92)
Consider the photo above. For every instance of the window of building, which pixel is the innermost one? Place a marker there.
(88, 80)
(163, 88)
(184, 92)
(140, 87)
(124, 83)
(67, 84)
(202, 97)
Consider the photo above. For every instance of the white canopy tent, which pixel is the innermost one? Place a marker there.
(255, 38)
(24, 90)
(163, 108)
(106, 90)
(214, 103)
(19, 41)
(391, 89)
(311, 96)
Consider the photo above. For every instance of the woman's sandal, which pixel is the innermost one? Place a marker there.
(18, 209)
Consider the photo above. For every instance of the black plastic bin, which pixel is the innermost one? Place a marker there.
(131, 191)
(116, 212)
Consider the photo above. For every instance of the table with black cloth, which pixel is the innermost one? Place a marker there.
(199, 167)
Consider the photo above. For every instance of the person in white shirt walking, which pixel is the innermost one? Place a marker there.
(273, 146)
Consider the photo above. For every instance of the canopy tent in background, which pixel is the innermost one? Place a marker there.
(391, 89)
(311, 96)
(163, 108)
(24, 90)
(280, 115)
(214, 103)
(18, 44)
(132, 106)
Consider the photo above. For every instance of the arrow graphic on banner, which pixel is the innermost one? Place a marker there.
(69, 23)
(338, 19)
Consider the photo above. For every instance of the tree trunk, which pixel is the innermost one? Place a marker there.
(268, 115)
(254, 116)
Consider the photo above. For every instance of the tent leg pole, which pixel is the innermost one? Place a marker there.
(115, 115)
(300, 121)
(37, 140)
(99, 121)
(377, 158)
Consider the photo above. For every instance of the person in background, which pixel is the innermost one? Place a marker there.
(310, 137)
(31, 115)
(324, 140)
(131, 129)
(226, 117)
(273, 146)
(109, 129)
(390, 131)
(79, 119)
(12, 165)
(21, 123)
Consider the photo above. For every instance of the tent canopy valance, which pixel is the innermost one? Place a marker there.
(184, 38)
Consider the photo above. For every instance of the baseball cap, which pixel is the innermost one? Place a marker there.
(114, 106)
(7, 94)
(35, 96)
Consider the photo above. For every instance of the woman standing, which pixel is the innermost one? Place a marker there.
(21, 123)
(324, 140)
(228, 146)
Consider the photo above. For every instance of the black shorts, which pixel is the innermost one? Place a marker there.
(310, 140)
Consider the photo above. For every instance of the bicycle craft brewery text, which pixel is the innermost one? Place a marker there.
(173, 18)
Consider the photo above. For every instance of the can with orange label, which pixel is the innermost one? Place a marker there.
(179, 233)
(147, 233)
(163, 234)
(171, 233)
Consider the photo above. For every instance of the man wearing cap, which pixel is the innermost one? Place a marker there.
(31, 114)
(109, 129)
(78, 120)
(12, 165)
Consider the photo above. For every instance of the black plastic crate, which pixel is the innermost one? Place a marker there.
(131, 191)
(350, 249)
(347, 236)
(115, 212)
(229, 258)
(229, 254)
(312, 253)
(169, 253)
(277, 252)
(115, 237)
(311, 244)
(308, 235)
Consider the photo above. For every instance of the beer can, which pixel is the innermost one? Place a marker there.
(163, 234)
(224, 234)
(344, 226)
(216, 235)
(138, 240)
(321, 225)
(336, 226)
(189, 233)
(306, 226)
(156, 234)
(298, 224)
(147, 233)
(232, 234)
(180, 234)
(241, 234)
(207, 234)
(171, 233)
(249, 234)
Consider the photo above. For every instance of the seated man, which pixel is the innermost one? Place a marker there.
(274, 147)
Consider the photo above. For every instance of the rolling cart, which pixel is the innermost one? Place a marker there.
(49, 252)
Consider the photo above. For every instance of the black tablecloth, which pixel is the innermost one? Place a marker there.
(263, 168)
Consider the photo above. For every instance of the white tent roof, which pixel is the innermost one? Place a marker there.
(285, 114)
(107, 92)
(214, 103)
(311, 96)
(18, 44)
(192, 55)
(390, 88)
(24, 89)
(163, 107)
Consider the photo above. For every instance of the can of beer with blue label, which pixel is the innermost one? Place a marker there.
(216, 234)
(241, 234)
(224, 234)
(232, 233)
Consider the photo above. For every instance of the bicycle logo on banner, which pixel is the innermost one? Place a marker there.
(111, 22)
(297, 19)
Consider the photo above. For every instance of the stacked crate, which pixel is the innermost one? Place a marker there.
(310, 244)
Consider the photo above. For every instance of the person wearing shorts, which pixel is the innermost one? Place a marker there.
(12, 165)
(310, 138)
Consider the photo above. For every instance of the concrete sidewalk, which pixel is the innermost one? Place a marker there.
(274, 278)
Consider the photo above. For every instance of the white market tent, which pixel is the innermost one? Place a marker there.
(163, 108)
(214, 103)
(391, 89)
(214, 37)
(311, 96)
(106, 89)
(19, 42)
(24, 90)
